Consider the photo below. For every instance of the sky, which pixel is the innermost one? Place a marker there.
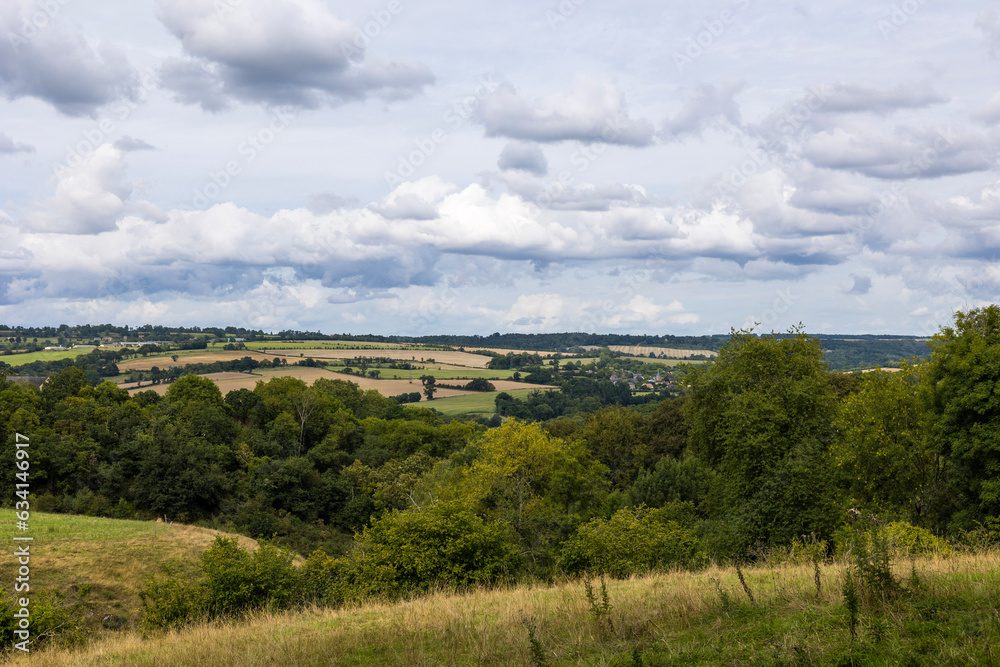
(407, 167)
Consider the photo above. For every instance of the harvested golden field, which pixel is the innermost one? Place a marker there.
(200, 357)
(228, 382)
(672, 352)
(463, 359)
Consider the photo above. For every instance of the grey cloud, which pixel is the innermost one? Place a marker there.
(594, 112)
(523, 156)
(862, 285)
(862, 98)
(129, 144)
(832, 192)
(407, 207)
(327, 202)
(292, 52)
(8, 146)
(59, 66)
(908, 153)
(705, 104)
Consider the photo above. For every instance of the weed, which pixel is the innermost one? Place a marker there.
(600, 611)
(538, 658)
(852, 602)
(746, 587)
(724, 599)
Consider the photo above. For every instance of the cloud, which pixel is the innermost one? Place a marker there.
(990, 112)
(865, 98)
(59, 65)
(8, 146)
(90, 198)
(129, 144)
(327, 202)
(525, 157)
(989, 25)
(705, 104)
(279, 52)
(907, 153)
(862, 285)
(407, 207)
(593, 112)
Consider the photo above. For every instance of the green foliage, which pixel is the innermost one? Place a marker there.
(234, 583)
(634, 540)
(760, 415)
(913, 540)
(880, 451)
(172, 600)
(963, 404)
(866, 543)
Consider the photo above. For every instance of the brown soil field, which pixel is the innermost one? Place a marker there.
(146, 363)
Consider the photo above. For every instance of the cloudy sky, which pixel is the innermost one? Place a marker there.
(404, 167)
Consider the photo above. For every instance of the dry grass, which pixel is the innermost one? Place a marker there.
(675, 616)
(112, 556)
(463, 359)
(670, 352)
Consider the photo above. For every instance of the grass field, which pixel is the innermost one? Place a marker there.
(325, 345)
(416, 356)
(673, 353)
(51, 355)
(185, 357)
(949, 618)
(484, 402)
(114, 557)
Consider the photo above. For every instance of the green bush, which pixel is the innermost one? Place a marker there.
(234, 583)
(413, 550)
(172, 601)
(633, 540)
(914, 540)
(237, 581)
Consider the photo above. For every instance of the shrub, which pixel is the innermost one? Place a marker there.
(172, 601)
(633, 540)
(238, 581)
(445, 543)
(914, 540)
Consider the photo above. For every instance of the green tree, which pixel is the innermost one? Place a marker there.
(963, 402)
(761, 414)
(880, 450)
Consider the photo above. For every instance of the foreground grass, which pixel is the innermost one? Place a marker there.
(111, 557)
(663, 619)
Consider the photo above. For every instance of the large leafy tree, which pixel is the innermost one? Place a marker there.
(962, 393)
(761, 415)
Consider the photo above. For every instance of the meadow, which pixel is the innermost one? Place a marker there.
(770, 614)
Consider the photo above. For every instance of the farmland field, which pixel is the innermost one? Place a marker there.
(448, 358)
(671, 352)
(483, 402)
(187, 357)
(51, 355)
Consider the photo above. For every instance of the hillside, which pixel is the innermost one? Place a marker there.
(111, 556)
(944, 616)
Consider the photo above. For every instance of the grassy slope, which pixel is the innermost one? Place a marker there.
(671, 619)
(113, 556)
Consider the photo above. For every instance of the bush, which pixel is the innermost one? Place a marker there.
(172, 601)
(633, 540)
(235, 582)
(914, 540)
(238, 582)
(445, 543)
